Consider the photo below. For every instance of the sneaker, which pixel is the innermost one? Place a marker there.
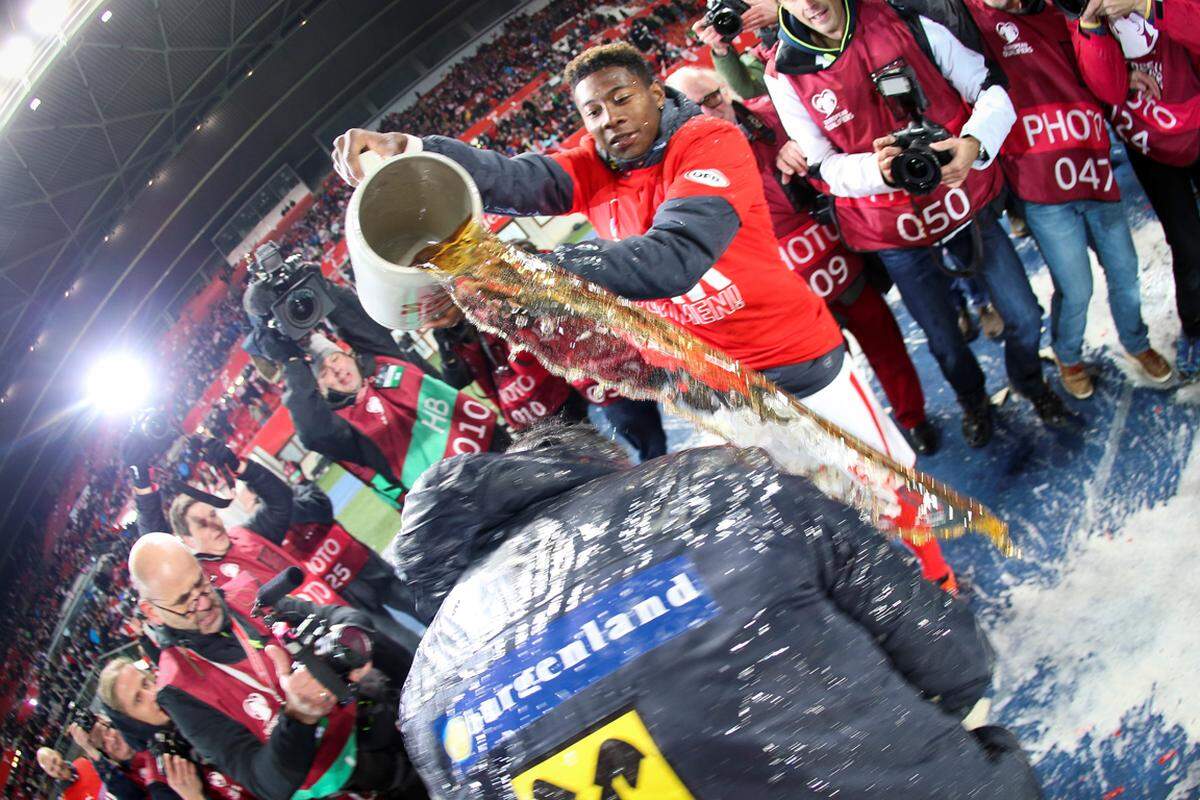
(925, 438)
(1156, 368)
(991, 322)
(977, 421)
(1050, 409)
(1076, 380)
(967, 325)
(1187, 357)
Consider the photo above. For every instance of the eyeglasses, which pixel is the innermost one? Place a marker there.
(201, 588)
(713, 99)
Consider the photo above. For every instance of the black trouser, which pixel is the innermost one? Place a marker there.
(639, 423)
(1172, 194)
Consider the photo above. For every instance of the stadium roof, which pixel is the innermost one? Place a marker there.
(128, 138)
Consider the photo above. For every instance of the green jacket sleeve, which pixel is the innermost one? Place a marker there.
(743, 73)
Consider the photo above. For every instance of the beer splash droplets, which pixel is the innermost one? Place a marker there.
(578, 330)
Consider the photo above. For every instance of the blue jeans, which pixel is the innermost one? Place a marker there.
(1063, 231)
(927, 294)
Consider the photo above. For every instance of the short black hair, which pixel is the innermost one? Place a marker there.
(615, 54)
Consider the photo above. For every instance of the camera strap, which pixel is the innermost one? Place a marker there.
(257, 661)
(201, 495)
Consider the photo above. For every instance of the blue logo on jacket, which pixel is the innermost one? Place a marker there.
(574, 651)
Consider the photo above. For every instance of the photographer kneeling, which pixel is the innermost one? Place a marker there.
(235, 693)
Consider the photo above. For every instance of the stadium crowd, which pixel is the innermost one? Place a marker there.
(184, 591)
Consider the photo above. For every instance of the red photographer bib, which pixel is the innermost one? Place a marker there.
(328, 551)
(811, 250)
(1152, 126)
(249, 553)
(416, 420)
(816, 254)
(249, 693)
(843, 100)
(1058, 149)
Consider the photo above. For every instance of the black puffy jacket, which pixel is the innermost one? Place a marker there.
(703, 625)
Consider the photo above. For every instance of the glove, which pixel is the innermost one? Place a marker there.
(276, 346)
(216, 453)
(136, 454)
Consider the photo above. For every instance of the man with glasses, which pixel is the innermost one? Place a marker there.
(236, 696)
(286, 529)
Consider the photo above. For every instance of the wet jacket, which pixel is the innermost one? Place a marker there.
(702, 625)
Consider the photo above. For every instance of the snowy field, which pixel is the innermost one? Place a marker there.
(1097, 627)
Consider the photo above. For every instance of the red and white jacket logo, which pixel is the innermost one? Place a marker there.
(1011, 34)
(256, 706)
(825, 101)
(712, 299)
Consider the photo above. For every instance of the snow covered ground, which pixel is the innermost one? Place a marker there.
(1097, 627)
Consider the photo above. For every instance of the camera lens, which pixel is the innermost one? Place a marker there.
(345, 647)
(156, 426)
(917, 171)
(726, 22)
(302, 307)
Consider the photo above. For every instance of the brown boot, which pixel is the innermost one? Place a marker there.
(1076, 380)
(991, 322)
(1156, 368)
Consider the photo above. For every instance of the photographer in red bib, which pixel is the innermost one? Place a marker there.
(1057, 161)
(284, 530)
(381, 417)
(816, 255)
(880, 100)
(1148, 72)
(236, 694)
(684, 229)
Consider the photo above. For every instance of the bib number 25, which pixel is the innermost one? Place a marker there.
(936, 218)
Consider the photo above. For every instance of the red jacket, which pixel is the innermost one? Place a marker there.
(746, 304)
(1167, 129)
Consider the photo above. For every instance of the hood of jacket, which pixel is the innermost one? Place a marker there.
(460, 509)
(677, 110)
(798, 54)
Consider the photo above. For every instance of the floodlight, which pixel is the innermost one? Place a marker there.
(118, 384)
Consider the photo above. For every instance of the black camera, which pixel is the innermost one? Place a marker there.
(329, 652)
(725, 17)
(918, 167)
(168, 742)
(290, 293)
(155, 428)
(85, 718)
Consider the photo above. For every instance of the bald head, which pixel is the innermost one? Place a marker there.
(159, 558)
(706, 88)
(174, 589)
